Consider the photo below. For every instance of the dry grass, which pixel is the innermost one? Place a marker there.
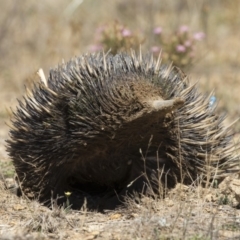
(40, 34)
(187, 213)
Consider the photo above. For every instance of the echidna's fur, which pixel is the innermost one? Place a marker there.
(103, 126)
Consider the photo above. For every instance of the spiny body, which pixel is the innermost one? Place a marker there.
(103, 126)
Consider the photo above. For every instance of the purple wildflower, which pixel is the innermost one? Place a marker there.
(100, 29)
(180, 48)
(157, 30)
(183, 29)
(155, 49)
(126, 33)
(94, 48)
(188, 43)
(199, 36)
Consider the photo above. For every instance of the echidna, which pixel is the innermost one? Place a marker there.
(102, 127)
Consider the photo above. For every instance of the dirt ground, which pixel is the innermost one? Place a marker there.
(35, 37)
(188, 213)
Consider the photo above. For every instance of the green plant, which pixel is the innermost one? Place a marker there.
(224, 200)
(115, 37)
(177, 47)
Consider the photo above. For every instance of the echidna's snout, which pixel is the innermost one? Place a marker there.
(156, 109)
(146, 100)
(166, 106)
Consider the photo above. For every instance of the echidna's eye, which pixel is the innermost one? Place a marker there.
(136, 108)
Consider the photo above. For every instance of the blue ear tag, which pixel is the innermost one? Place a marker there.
(212, 101)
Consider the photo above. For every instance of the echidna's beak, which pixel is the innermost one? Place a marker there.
(167, 105)
(157, 108)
